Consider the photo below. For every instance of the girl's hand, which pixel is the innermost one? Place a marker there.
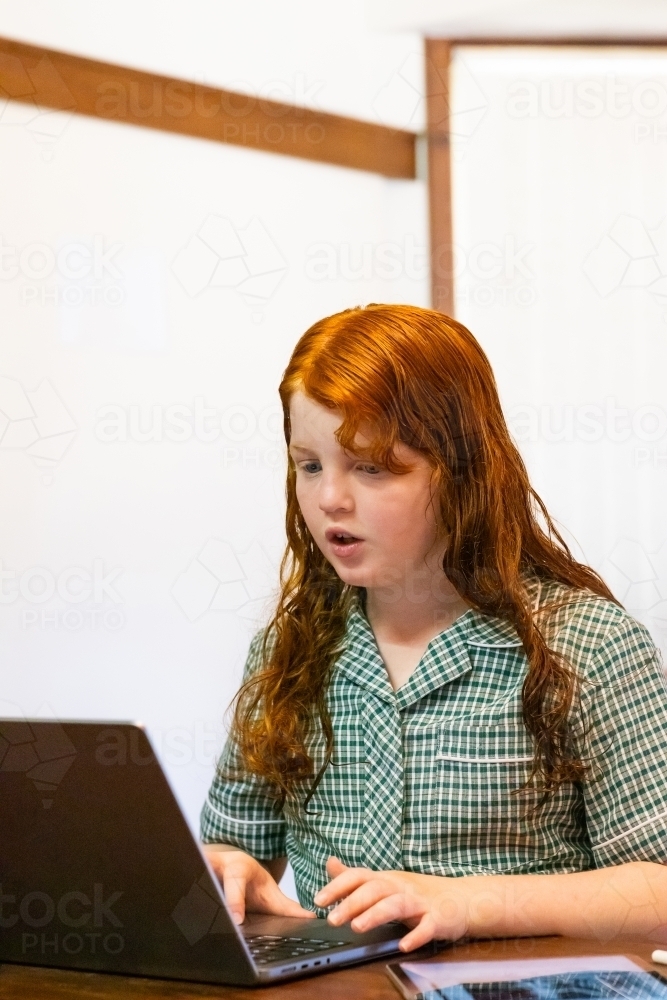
(247, 884)
(430, 904)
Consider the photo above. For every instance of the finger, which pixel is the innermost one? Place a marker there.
(419, 935)
(360, 901)
(392, 906)
(269, 898)
(220, 860)
(234, 887)
(293, 909)
(336, 867)
(218, 870)
(343, 884)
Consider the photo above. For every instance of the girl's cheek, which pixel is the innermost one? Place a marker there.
(304, 498)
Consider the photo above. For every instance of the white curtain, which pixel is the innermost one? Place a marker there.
(560, 226)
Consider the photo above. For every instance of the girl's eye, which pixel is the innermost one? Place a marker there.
(371, 469)
(310, 467)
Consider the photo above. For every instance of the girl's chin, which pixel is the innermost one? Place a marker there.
(354, 576)
(357, 577)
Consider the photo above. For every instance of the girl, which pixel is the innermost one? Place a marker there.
(443, 692)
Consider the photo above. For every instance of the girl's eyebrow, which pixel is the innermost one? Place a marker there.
(299, 447)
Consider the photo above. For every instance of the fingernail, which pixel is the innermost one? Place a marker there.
(334, 918)
(318, 899)
(238, 919)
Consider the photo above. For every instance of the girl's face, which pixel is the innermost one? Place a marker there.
(375, 527)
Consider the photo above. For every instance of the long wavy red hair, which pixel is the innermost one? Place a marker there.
(416, 376)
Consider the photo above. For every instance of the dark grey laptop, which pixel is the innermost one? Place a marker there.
(99, 870)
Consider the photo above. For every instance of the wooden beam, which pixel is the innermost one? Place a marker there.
(603, 40)
(438, 55)
(50, 79)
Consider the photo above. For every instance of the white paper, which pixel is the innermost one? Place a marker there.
(436, 975)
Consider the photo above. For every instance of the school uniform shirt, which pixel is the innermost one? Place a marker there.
(425, 778)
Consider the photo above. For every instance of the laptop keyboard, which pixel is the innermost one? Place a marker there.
(266, 948)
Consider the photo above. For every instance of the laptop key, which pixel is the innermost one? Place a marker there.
(268, 948)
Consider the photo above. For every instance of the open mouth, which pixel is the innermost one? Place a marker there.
(344, 539)
(341, 538)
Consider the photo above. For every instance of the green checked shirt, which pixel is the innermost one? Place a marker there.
(422, 778)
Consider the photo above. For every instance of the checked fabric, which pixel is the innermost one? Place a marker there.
(425, 778)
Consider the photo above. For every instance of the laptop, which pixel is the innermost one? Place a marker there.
(100, 871)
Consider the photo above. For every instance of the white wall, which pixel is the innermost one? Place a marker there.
(304, 52)
(140, 317)
(149, 278)
(561, 225)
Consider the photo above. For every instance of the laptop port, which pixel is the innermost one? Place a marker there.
(291, 968)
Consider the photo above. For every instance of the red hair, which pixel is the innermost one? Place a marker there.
(416, 376)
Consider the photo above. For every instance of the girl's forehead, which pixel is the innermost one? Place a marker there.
(311, 417)
(311, 420)
(306, 409)
(315, 429)
(313, 424)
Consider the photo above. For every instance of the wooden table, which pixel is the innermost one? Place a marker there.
(364, 982)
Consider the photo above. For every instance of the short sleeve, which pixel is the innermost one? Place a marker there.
(626, 795)
(243, 812)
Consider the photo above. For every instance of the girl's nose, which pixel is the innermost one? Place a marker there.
(334, 493)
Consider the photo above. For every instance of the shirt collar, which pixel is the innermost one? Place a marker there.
(446, 657)
(486, 630)
(360, 661)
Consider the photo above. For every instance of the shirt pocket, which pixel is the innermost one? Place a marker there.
(484, 822)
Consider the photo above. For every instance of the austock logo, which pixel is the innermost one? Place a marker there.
(638, 578)
(630, 256)
(36, 422)
(402, 101)
(27, 94)
(198, 913)
(44, 757)
(86, 594)
(221, 256)
(222, 579)
(83, 914)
